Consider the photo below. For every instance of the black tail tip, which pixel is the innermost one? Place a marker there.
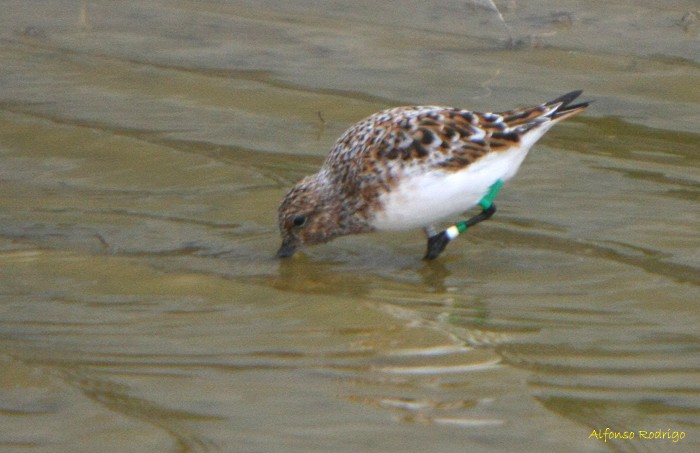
(566, 99)
(565, 102)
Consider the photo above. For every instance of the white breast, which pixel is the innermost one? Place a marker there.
(422, 199)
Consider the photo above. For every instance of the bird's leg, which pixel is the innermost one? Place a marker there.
(430, 231)
(438, 242)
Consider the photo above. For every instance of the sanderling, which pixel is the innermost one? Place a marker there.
(411, 167)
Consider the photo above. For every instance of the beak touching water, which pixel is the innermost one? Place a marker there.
(287, 249)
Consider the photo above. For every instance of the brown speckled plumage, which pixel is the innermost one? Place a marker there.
(382, 151)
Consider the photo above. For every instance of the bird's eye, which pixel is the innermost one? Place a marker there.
(299, 220)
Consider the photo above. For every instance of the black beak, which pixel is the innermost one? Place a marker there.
(287, 249)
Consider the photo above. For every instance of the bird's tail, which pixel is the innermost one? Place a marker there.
(562, 106)
(555, 110)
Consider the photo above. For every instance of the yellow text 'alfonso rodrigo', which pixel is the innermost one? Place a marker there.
(659, 434)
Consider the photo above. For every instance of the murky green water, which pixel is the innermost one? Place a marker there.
(145, 146)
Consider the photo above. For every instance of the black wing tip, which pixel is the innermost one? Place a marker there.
(566, 100)
(563, 106)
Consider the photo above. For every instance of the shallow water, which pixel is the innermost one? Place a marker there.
(145, 146)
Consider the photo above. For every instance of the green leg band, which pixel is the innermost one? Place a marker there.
(487, 201)
(437, 242)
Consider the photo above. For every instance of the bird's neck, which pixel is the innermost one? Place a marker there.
(345, 212)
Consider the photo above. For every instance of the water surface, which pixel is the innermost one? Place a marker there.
(145, 147)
